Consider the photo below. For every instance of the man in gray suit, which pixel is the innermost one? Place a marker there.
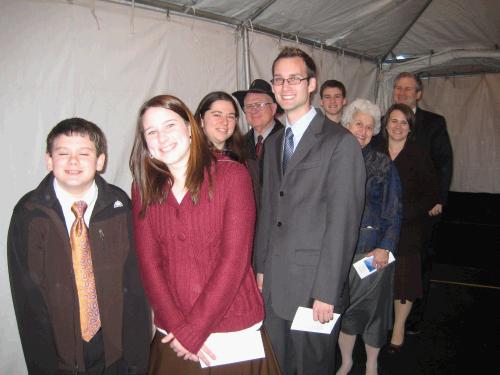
(312, 201)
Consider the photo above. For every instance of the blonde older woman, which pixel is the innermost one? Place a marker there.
(370, 310)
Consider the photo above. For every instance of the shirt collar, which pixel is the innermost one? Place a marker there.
(300, 126)
(265, 134)
(66, 200)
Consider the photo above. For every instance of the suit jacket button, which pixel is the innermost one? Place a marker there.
(281, 193)
(279, 224)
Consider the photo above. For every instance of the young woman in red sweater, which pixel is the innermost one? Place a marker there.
(194, 220)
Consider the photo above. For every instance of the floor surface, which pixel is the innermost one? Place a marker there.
(461, 328)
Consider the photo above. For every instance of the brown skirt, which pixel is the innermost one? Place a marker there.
(164, 361)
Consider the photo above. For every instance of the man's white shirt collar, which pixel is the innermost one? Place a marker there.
(66, 200)
(265, 134)
(300, 126)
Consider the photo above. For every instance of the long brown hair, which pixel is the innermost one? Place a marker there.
(234, 146)
(151, 176)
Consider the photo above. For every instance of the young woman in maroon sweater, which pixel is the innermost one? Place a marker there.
(194, 222)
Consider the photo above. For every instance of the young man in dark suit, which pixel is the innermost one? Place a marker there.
(312, 201)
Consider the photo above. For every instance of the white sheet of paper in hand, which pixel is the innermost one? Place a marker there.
(231, 347)
(303, 321)
(364, 266)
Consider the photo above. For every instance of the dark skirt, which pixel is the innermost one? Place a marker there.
(370, 310)
(408, 278)
(164, 361)
(408, 275)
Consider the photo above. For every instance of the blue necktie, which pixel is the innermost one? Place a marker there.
(288, 148)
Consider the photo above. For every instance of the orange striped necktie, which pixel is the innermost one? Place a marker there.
(90, 321)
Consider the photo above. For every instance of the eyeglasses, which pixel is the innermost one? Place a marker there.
(278, 81)
(254, 107)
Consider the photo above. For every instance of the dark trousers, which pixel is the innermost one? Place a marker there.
(430, 230)
(299, 352)
(93, 355)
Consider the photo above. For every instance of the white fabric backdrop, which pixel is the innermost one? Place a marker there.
(58, 61)
(471, 106)
(357, 75)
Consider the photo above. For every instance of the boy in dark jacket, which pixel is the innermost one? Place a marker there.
(77, 294)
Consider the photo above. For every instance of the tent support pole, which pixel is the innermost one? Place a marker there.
(377, 81)
(246, 55)
(408, 27)
(246, 69)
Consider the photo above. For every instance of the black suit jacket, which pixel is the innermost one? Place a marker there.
(255, 166)
(431, 135)
(250, 138)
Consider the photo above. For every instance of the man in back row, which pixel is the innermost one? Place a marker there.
(333, 99)
(259, 105)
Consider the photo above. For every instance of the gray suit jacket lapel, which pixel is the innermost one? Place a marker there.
(278, 145)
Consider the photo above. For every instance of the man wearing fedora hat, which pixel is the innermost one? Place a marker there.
(260, 107)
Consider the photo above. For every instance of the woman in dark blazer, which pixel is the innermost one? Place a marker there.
(420, 194)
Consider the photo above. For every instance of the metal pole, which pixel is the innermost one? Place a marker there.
(246, 65)
(246, 56)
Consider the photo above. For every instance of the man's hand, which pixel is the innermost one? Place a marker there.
(260, 281)
(436, 210)
(322, 311)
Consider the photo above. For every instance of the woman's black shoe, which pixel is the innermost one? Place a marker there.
(393, 348)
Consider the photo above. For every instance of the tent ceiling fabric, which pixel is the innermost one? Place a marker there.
(367, 28)
(454, 24)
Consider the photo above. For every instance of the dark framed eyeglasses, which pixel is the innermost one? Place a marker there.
(279, 81)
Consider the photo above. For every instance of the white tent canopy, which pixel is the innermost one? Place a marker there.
(370, 28)
(101, 59)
